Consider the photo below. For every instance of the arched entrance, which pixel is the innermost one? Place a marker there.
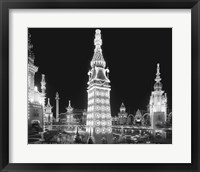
(146, 119)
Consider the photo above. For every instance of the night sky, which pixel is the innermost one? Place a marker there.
(132, 54)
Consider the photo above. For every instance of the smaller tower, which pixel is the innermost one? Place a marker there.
(48, 118)
(70, 116)
(122, 115)
(57, 106)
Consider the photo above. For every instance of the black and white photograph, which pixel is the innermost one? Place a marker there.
(99, 86)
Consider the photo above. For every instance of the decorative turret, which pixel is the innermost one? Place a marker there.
(43, 84)
(98, 59)
(122, 115)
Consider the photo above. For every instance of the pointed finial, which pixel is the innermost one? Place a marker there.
(97, 40)
(158, 79)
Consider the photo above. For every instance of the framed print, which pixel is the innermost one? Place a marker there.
(99, 85)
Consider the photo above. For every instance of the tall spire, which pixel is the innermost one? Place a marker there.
(158, 84)
(98, 59)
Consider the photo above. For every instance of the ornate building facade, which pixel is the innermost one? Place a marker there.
(36, 99)
(99, 121)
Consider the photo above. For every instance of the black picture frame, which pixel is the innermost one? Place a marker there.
(6, 5)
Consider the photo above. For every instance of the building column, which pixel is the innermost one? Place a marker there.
(57, 107)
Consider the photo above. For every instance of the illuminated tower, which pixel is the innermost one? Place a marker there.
(57, 107)
(99, 121)
(158, 104)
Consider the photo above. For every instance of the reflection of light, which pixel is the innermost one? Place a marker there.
(36, 89)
